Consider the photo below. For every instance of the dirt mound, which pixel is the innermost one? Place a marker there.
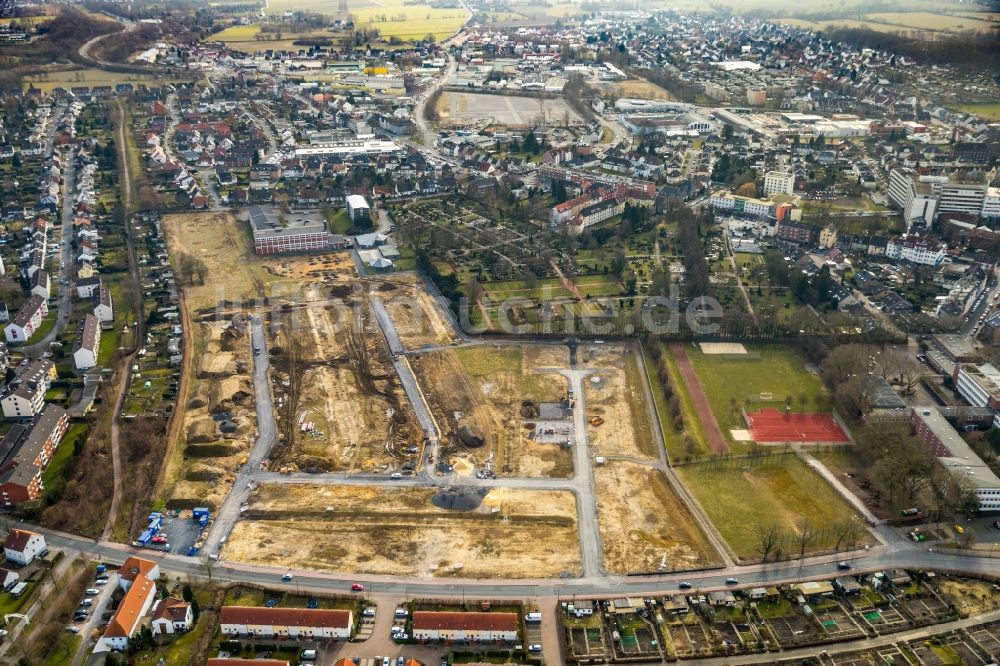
(212, 366)
(203, 472)
(470, 435)
(459, 499)
(387, 287)
(529, 409)
(202, 430)
(200, 397)
(313, 464)
(342, 291)
(229, 393)
(244, 426)
(214, 449)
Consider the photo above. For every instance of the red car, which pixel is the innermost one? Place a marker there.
(357, 587)
(159, 538)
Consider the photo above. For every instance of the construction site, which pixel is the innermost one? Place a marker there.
(338, 403)
(467, 532)
(419, 320)
(619, 421)
(219, 419)
(503, 410)
(645, 528)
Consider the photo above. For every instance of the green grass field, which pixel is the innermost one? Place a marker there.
(782, 492)
(674, 440)
(776, 370)
(986, 111)
(483, 362)
(588, 285)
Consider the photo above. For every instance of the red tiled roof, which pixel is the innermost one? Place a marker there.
(17, 540)
(171, 609)
(472, 621)
(135, 566)
(285, 617)
(129, 610)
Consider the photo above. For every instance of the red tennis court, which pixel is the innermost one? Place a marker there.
(770, 425)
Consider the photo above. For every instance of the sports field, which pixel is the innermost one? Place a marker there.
(764, 377)
(744, 498)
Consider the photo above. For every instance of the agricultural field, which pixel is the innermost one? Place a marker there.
(744, 497)
(643, 524)
(503, 109)
(734, 381)
(616, 398)
(67, 78)
(499, 533)
(250, 38)
(477, 395)
(392, 18)
(906, 22)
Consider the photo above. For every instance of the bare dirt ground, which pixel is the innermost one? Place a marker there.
(614, 393)
(419, 320)
(340, 405)
(971, 597)
(643, 524)
(235, 273)
(513, 534)
(482, 388)
(221, 387)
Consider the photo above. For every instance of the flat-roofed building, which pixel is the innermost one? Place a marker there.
(957, 457)
(279, 234)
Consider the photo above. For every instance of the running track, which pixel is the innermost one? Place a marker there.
(716, 440)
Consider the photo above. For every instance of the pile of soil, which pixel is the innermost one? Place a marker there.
(529, 409)
(459, 499)
(202, 430)
(471, 436)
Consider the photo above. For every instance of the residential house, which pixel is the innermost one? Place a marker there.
(104, 310)
(128, 617)
(24, 396)
(26, 451)
(290, 623)
(40, 284)
(27, 320)
(8, 579)
(465, 627)
(23, 546)
(87, 287)
(87, 344)
(135, 568)
(171, 616)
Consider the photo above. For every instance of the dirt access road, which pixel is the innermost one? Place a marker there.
(716, 440)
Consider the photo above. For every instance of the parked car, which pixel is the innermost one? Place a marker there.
(959, 529)
(73, 630)
(92, 592)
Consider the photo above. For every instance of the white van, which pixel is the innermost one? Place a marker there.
(533, 617)
(307, 655)
(401, 613)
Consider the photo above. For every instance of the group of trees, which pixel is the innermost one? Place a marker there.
(689, 245)
(190, 267)
(849, 372)
(671, 398)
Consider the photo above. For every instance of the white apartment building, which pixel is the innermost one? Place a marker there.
(921, 250)
(979, 386)
(778, 182)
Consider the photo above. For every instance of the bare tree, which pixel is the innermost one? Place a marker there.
(767, 541)
(847, 533)
(805, 536)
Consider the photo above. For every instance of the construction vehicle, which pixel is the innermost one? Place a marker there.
(596, 420)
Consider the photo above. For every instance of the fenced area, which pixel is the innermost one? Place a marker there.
(769, 426)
